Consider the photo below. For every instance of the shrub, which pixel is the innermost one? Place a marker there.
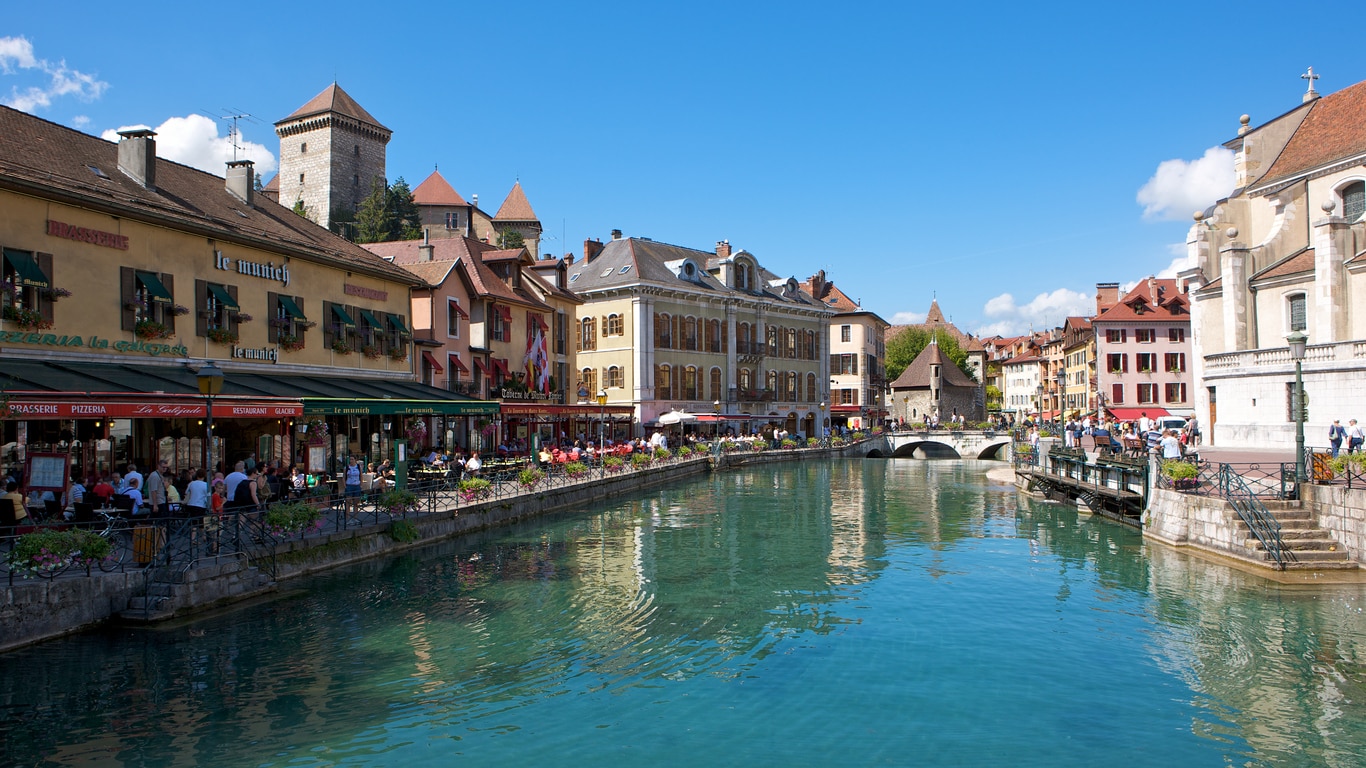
(662, 453)
(42, 552)
(857, 436)
(684, 452)
(640, 460)
(613, 463)
(812, 442)
(403, 531)
(788, 443)
(395, 501)
(472, 488)
(530, 477)
(292, 517)
(1177, 469)
(576, 469)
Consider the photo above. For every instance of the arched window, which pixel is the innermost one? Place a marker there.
(744, 379)
(791, 350)
(771, 382)
(811, 394)
(614, 377)
(716, 384)
(791, 391)
(663, 382)
(718, 341)
(742, 345)
(1354, 201)
(588, 334)
(614, 325)
(773, 341)
(690, 334)
(664, 332)
(742, 277)
(588, 379)
(690, 383)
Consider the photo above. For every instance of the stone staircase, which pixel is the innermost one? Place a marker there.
(1313, 548)
(170, 590)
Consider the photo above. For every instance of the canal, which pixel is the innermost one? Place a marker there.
(878, 612)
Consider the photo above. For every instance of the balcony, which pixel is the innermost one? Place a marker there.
(470, 388)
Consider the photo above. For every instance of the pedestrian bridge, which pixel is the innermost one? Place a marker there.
(942, 444)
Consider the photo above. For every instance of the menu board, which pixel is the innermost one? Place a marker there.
(46, 471)
(317, 458)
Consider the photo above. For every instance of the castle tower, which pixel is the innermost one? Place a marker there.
(331, 151)
(515, 215)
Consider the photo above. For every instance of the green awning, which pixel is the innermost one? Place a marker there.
(328, 406)
(291, 308)
(370, 320)
(340, 313)
(221, 294)
(26, 270)
(156, 291)
(397, 322)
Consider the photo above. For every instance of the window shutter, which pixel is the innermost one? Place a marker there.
(578, 338)
(46, 305)
(127, 290)
(272, 312)
(168, 316)
(233, 325)
(201, 293)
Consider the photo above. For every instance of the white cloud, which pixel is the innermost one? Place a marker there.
(1047, 310)
(17, 58)
(908, 318)
(194, 141)
(1181, 259)
(80, 121)
(1181, 187)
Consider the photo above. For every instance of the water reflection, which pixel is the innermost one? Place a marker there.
(876, 589)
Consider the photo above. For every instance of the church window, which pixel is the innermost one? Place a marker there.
(1354, 201)
(1295, 306)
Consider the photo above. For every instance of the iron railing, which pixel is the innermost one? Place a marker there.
(1255, 515)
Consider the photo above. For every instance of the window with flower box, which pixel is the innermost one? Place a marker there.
(149, 308)
(28, 290)
(288, 323)
(339, 328)
(1117, 363)
(1146, 362)
(1175, 362)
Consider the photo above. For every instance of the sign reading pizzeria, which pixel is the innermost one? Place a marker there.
(86, 235)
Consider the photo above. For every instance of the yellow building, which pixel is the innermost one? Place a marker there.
(124, 274)
(668, 328)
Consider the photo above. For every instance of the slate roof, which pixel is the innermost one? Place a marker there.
(53, 161)
(917, 374)
(1334, 129)
(435, 190)
(515, 206)
(1151, 299)
(334, 99)
(632, 261)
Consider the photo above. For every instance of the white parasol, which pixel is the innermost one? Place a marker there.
(676, 417)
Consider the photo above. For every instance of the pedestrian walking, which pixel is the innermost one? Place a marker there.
(1336, 434)
(1354, 436)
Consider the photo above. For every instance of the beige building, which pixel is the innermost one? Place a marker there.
(666, 328)
(857, 353)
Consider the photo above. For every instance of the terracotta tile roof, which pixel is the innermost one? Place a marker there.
(934, 321)
(1022, 359)
(831, 296)
(1335, 128)
(333, 99)
(273, 185)
(435, 190)
(515, 206)
(433, 273)
(934, 315)
(1151, 299)
(53, 161)
(467, 254)
(1360, 258)
(1297, 263)
(917, 374)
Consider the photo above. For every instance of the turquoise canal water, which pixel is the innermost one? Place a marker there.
(880, 612)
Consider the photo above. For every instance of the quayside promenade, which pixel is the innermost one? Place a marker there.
(175, 567)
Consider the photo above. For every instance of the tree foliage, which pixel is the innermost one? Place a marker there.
(388, 213)
(906, 345)
(510, 239)
(302, 209)
(407, 221)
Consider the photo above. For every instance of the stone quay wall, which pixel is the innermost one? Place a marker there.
(1183, 520)
(1341, 511)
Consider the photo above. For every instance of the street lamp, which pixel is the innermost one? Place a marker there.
(1040, 398)
(602, 416)
(1062, 382)
(1297, 341)
(716, 427)
(210, 383)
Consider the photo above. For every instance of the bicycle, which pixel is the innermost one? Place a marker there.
(118, 532)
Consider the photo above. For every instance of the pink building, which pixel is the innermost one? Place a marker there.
(1143, 350)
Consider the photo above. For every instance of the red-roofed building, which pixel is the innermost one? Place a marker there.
(1284, 253)
(857, 352)
(1143, 349)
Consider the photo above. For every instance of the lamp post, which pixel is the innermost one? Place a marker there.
(716, 427)
(1040, 398)
(1062, 383)
(602, 416)
(210, 383)
(1297, 341)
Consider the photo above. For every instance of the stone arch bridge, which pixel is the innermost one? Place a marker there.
(941, 444)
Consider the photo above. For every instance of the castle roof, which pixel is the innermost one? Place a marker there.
(935, 322)
(1333, 130)
(435, 190)
(515, 207)
(917, 374)
(334, 99)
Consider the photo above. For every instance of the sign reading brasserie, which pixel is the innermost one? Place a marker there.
(86, 235)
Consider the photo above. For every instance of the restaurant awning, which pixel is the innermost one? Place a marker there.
(291, 308)
(158, 293)
(555, 409)
(221, 295)
(26, 270)
(396, 323)
(431, 360)
(342, 317)
(1133, 414)
(370, 320)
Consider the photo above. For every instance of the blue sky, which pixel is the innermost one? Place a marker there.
(991, 155)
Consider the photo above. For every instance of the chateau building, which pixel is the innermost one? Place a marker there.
(857, 352)
(665, 327)
(1143, 348)
(1284, 253)
(331, 152)
(124, 274)
(933, 388)
(445, 213)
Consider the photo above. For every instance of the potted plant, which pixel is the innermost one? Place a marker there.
(27, 319)
(398, 354)
(396, 502)
(341, 347)
(54, 294)
(640, 460)
(292, 517)
(49, 552)
(316, 432)
(613, 464)
(371, 351)
(150, 329)
(222, 336)
(788, 444)
(473, 488)
(290, 343)
(416, 431)
(530, 477)
(240, 317)
(1183, 475)
(576, 469)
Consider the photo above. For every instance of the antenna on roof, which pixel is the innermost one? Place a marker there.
(233, 133)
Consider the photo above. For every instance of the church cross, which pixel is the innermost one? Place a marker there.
(1311, 77)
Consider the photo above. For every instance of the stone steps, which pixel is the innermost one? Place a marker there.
(169, 590)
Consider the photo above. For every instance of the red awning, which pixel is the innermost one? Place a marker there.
(506, 312)
(548, 409)
(540, 323)
(481, 365)
(711, 417)
(150, 406)
(459, 310)
(456, 364)
(1133, 414)
(845, 408)
(431, 360)
(500, 365)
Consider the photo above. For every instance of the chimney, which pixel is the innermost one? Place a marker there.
(138, 155)
(591, 248)
(616, 234)
(426, 250)
(723, 248)
(240, 179)
(568, 259)
(1107, 295)
(475, 199)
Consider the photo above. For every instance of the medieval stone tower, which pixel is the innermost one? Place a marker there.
(515, 215)
(331, 151)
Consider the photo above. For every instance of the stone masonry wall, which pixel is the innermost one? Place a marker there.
(1194, 521)
(1342, 512)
